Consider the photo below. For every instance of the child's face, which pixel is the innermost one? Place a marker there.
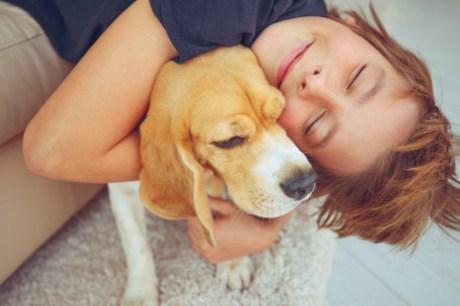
(344, 101)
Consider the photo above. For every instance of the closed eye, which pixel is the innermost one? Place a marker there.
(356, 76)
(315, 121)
(229, 143)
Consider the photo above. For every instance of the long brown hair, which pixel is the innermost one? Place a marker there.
(394, 200)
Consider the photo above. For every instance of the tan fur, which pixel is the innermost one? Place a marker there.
(211, 98)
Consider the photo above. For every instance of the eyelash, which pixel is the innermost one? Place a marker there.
(356, 76)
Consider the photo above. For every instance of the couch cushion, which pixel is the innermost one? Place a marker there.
(30, 70)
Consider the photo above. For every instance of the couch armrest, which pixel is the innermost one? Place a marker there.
(32, 208)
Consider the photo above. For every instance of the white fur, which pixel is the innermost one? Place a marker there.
(128, 210)
(280, 159)
(142, 283)
(236, 273)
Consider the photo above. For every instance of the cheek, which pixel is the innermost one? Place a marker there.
(289, 120)
(292, 122)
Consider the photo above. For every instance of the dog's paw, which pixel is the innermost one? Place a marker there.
(144, 292)
(140, 301)
(237, 273)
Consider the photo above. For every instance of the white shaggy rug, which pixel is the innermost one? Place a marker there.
(84, 265)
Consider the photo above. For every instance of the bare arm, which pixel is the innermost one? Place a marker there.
(84, 132)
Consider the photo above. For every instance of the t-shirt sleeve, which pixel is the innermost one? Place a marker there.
(199, 26)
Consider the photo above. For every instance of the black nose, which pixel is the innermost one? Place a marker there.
(298, 187)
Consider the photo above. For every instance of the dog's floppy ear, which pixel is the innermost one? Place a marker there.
(200, 198)
(265, 99)
(172, 180)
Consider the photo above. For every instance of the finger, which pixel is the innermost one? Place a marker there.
(223, 207)
(192, 224)
(194, 230)
(203, 248)
(196, 234)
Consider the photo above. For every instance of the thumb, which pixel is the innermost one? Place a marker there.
(223, 207)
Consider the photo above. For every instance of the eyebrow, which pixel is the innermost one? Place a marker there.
(374, 90)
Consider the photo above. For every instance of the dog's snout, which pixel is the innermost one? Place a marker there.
(298, 187)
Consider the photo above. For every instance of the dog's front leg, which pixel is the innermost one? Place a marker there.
(236, 273)
(141, 286)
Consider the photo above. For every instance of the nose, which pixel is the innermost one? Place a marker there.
(298, 187)
(313, 82)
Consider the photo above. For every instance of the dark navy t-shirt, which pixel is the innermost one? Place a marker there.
(194, 26)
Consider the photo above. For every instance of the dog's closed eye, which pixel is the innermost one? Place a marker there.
(229, 143)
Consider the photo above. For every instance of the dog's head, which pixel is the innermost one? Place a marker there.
(218, 112)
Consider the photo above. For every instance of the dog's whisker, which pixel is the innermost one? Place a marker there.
(240, 213)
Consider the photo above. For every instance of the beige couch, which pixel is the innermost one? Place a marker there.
(32, 208)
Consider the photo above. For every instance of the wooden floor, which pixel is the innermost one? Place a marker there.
(366, 274)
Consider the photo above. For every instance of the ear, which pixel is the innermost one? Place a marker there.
(351, 21)
(266, 99)
(172, 180)
(200, 198)
(274, 105)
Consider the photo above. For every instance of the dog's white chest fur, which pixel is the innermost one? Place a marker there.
(142, 283)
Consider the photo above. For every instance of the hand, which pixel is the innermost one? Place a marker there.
(237, 234)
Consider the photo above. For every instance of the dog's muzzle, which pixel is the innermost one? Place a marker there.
(300, 186)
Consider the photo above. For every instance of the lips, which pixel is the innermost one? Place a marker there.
(289, 62)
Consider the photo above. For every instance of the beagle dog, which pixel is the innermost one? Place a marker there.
(211, 129)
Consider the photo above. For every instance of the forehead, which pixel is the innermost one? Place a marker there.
(222, 98)
(219, 109)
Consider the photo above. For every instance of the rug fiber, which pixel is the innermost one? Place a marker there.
(83, 264)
